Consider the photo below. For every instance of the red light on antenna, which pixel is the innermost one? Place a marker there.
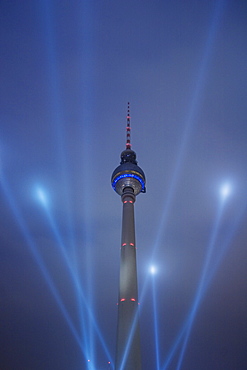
(122, 299)
(132, 244)
(133, 299)
(124, 244)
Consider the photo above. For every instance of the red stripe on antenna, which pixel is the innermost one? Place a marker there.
(128, 145)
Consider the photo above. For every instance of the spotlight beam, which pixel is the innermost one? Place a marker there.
(129, 341)
(77, 286)
(50, 41)
(214, 266)
(227, 242)
(57, 113)
(155, 313)
(189, 119)
(224, 192)
(38, 259)
(198, 295)
(217, 13)
(87, 82)
(206, 276)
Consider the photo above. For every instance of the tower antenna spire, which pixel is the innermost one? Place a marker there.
(128, 128)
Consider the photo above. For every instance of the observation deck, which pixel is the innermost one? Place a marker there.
(128, 174)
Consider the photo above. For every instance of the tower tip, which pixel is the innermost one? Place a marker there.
(128, 128)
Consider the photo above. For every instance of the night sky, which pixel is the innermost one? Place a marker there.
(68, 70)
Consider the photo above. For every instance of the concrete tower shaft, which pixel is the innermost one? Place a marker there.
(128, 355)
(128, 272)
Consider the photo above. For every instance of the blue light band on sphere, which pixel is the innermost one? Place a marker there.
(128, 175)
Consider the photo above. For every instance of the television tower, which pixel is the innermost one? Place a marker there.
(128, 180)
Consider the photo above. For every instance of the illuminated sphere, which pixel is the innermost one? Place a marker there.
(128, 174)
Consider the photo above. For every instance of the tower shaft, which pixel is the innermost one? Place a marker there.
(128, 354)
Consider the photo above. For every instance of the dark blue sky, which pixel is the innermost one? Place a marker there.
(68, 69)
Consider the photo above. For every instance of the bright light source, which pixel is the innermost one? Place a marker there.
(225, 190)
(153, 270)
(41, 196)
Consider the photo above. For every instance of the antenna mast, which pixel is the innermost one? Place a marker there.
(128, 128)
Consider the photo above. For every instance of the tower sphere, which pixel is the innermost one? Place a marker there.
(128, 174)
